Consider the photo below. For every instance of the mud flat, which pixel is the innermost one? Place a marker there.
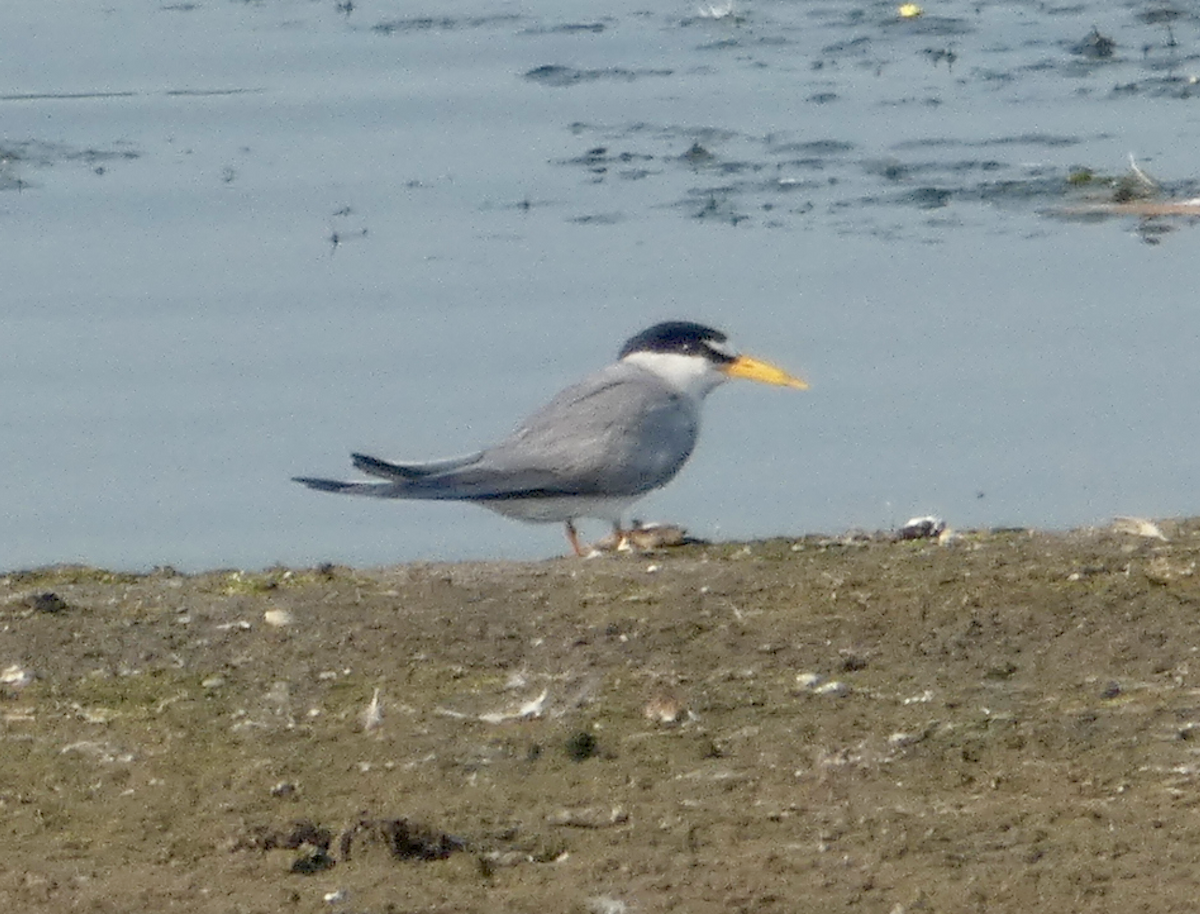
(1006, 721)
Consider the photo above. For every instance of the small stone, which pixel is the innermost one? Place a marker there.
(949, 537)
(809, 680)
(664, 709)
(278, 618)
(15, 677)
(313, 863)
(833, 687)
(918, 528)
(589, 817)
(372, 715)
(1138, 526)
(603, 904)
(47, 602)
(581, 746)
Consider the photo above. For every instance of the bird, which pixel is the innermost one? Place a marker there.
(595, 448)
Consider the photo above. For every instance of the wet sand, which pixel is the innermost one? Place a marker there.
(1004, 722)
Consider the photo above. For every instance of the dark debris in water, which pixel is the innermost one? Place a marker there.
(816, 148)
(763, 174)
(441, 23)
(941, 55)
(18, 158)
(717, 207)
(1091, 196)
(831, 58)
(558, 77)
(1095, 46)
(415, 24)
(928, 197)
(1172, 87)
(729, 178)
(570, 28)
(938, 26)
(598, 219)
(599, 159)
(776, 180)
(37, 153)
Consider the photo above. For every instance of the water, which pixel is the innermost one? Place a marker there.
(244, 239)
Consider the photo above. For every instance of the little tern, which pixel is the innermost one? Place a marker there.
(593, 450)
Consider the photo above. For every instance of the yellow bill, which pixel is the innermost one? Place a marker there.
(763, 372)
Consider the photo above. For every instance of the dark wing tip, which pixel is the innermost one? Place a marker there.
(373, 466)
(322, 485)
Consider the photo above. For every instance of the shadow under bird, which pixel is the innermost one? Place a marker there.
(593, 450)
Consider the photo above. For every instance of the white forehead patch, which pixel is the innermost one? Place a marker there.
(694, 375)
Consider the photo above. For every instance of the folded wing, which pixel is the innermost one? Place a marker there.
(620, 432)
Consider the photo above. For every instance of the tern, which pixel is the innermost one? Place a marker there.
(593, 450)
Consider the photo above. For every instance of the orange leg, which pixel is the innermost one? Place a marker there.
(621, 537)
(573, 539)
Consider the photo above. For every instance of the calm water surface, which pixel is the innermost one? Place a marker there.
(244, 239)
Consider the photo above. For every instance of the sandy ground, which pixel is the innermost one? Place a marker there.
(1002, 723)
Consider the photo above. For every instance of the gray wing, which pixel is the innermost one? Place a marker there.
(620, 432)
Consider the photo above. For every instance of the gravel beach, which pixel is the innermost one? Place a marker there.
(997, 721)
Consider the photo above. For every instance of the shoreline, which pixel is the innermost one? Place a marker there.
(1152, 527)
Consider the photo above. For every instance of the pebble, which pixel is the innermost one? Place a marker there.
(588, 816)
(917, 528)
(664, 709)
(816, 683)
(15, 677)
(834, 687)
(47, 602)
(603, 904)
(278, 618)
(1138, 526)
(372, 716)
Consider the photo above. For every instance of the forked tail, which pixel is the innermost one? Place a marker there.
(371, 489)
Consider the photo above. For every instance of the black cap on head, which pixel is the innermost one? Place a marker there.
(683, 337)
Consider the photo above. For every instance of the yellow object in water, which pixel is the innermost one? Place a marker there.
(910, 11)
